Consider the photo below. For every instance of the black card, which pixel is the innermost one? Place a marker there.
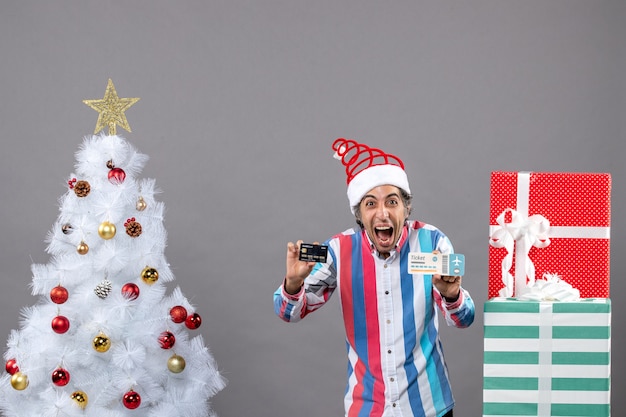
(313, 253)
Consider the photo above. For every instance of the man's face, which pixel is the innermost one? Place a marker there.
(383, 214)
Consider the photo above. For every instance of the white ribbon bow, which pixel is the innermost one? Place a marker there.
(522, 233)
(550, 288)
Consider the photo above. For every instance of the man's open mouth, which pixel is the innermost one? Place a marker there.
(384, 234)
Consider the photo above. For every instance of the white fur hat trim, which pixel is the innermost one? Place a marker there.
(373, 177)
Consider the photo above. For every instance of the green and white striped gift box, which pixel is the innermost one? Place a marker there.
(546, 358)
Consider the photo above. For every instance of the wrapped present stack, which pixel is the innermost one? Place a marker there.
(547, 333)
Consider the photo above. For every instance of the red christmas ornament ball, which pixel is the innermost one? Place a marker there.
(58, 295)
(193, 321)
(131, 400)
(117, 176)
(130, 291)
(178, 314)
(167, 340)
(60, 377)
(11, 366)
(60, 324)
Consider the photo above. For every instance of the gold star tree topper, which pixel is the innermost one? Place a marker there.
(111, 110)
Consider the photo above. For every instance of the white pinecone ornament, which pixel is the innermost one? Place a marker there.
(103, 289)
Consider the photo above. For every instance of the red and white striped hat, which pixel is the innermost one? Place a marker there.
(367, 168)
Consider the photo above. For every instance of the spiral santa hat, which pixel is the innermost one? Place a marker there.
(367, 168)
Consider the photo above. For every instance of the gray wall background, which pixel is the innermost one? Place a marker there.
(240, 102)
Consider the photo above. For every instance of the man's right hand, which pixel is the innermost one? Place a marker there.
(297, 270)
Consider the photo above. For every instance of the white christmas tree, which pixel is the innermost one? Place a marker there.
(105, 338)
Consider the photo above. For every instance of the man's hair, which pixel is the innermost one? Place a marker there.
(406, 200)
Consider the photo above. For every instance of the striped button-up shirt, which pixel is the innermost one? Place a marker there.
(396, 363)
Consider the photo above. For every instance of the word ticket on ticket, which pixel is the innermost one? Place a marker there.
(436, 263)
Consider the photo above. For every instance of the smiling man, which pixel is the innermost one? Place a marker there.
(396, 362)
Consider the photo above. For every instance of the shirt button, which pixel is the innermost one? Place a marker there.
(394, 404)
(388, 321)
(385, 266)
(389, 351)
(391, 379)
(386, 292)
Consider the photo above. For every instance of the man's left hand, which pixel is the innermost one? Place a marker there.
(448, 286)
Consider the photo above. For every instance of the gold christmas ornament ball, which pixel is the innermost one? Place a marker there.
(19, 381)
(82, 248)
(80, 398)
(101, 343)
(141, 204)
(149, 275)
(176, 364)
(106, 230)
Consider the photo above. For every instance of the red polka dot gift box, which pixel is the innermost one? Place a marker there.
(548, 224)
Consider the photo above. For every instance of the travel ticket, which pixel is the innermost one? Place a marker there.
(436, 263)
